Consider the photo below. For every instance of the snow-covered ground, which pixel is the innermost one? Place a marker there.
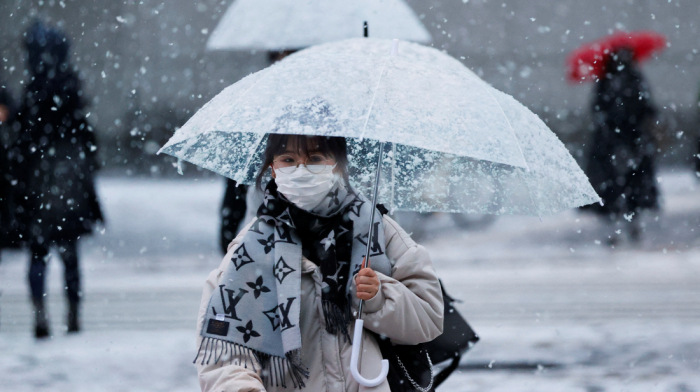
(556, 309)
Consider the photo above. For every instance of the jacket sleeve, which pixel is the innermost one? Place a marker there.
(408, 307)
(232, 373)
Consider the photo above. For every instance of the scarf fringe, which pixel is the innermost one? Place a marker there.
(337, 318)
(273, 369)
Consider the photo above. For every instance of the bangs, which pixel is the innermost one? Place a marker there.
(302, 145)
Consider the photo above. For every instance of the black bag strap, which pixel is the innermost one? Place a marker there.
(446, 372)
(455, 346)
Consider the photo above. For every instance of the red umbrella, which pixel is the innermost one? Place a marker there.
(588, 61)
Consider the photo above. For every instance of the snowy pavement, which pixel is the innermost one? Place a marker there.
(555, 308)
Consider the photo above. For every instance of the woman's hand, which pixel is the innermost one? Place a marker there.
(367, 283)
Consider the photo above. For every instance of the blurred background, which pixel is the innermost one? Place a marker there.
(556, 308)
(149, 57)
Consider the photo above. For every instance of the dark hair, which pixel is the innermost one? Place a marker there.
(47, 48)
(278, 55)
(620, 61)
(335, 147)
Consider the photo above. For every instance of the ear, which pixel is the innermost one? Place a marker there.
(273, 172)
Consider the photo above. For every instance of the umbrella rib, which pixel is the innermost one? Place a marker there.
(393, 175)
(250, 156)
(527, 167)
(374, 96)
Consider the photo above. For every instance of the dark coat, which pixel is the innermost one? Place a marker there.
(6, 179)
(233, 209)
(56, 151)
(621, 159)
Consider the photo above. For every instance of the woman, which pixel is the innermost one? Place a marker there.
(57, 158)
(621, 164)
(278, 312)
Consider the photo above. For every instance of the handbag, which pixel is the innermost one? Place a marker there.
(456, 339)
(411, 366)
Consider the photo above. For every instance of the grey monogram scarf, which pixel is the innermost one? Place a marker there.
(256, 308)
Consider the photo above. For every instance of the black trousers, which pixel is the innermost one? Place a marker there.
(68, 250)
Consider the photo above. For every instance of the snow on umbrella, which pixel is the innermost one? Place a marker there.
(291, 24)
(454, 143)
(588, 61)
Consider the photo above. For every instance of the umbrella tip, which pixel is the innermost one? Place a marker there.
(395, 47)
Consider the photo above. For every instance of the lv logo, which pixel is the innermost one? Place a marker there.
(284, 312)
(230, 310)
(285, 234)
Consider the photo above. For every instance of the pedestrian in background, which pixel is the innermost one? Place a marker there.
(234, 208)
(57, 150)
(621, 160)
(232, 212)
(7, 112)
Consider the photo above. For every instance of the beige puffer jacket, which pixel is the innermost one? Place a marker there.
(408, 309)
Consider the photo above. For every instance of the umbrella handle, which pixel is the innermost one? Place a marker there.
(356, 344)
(359, 323)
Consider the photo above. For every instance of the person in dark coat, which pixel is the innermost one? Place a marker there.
(57, 150)
(234, 205)
(621, 162)
(232, 211)
(7, 112)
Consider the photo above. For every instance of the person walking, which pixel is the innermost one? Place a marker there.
(57, 149)
(237, 197)
(621, 164)
(7, 112)
(292, 280)
(232, 212)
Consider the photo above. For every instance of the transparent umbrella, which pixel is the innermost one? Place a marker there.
(453, 142)
(293, 24)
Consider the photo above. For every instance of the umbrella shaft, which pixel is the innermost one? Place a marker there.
(371, 219)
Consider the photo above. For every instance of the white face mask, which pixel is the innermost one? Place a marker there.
(305, 189)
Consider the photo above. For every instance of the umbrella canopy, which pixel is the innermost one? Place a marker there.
(588, 61)
(293, 24)
(454, 143)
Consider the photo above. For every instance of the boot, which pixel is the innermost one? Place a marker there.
(41, 320)
(73, 317)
